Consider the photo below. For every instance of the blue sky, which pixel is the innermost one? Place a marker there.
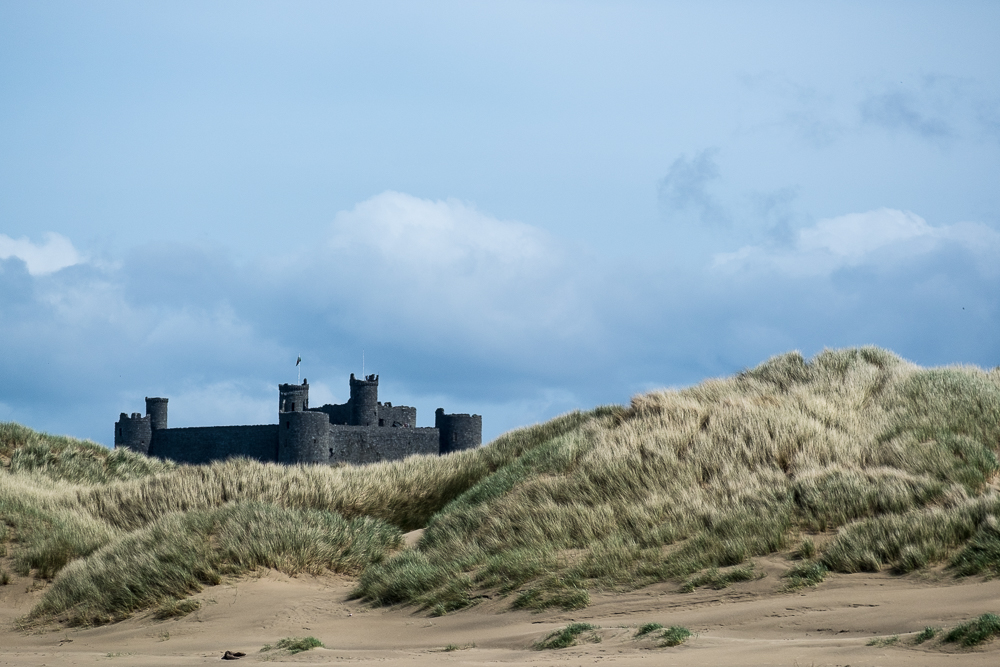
(515, 209)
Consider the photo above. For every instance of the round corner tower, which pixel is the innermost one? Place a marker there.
(364, 401)
(156, 410)
(458, 432)
(293, 397)
(303, 437)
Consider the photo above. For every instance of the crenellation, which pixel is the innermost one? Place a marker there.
(363, 430)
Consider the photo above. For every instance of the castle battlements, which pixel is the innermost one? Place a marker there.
(362, 430)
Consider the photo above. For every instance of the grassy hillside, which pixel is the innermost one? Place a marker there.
(855, 460)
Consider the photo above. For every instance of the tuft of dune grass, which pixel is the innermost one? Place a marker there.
(568, 636)
(975, 632)
(298, 644)
(182, 552)
(675, 635)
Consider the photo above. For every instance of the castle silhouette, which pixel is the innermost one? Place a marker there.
(363, 430)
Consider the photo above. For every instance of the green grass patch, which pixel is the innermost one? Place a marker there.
(567, 636)
(975, 632)
(646, 628)
(926, 634)
(298, 644)
(806, 573)
(675, 635)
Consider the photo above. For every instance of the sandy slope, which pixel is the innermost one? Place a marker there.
(748, 624)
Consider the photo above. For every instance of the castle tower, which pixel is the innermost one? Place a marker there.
(303, 437)
(293, 397)
(364, 401)
(156, 410)
(458, 432)
(133, 433)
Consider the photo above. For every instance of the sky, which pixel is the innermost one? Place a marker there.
(514, 209)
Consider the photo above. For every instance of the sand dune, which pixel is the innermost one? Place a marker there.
(751, 623)
(856, 459)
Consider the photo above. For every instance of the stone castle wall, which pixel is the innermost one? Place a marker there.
(371, 444)
(204, 444)
(399, 415)
(338, 414)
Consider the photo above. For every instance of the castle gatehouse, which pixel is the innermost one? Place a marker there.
(363, 430)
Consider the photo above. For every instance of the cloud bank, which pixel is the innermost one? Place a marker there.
(459, 309)
(881, 237)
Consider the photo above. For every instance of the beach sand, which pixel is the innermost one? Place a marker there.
(750, 623)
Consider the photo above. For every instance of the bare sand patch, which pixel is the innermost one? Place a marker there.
(750, 623)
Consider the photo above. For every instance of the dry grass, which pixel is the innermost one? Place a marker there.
(891, 459)
(894, 463)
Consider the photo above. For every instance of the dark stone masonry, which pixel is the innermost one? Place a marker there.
(363, 430)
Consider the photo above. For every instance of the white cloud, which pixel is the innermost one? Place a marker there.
(444, 270)
(882, 235)
(447, 235)
(56, 253)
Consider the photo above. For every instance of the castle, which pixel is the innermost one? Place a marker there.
(363, 430)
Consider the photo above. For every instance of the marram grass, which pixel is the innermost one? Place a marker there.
(893, 464)
(893, 461)
(182, 552)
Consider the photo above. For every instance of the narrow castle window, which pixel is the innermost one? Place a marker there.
(293, 407)
(381, 422)
(288, 424)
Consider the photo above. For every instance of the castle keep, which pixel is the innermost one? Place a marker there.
(363, 430)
